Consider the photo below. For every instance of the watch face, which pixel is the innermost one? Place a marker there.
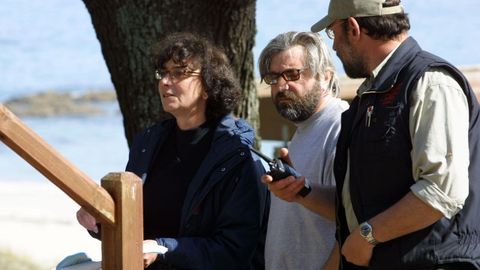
(365, 229)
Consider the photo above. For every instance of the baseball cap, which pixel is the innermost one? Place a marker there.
(342, 9)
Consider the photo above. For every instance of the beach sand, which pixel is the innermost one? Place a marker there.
(37, 220)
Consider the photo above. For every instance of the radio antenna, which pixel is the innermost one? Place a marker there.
(262, 155)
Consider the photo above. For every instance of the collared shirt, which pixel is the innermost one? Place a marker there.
(439, 123)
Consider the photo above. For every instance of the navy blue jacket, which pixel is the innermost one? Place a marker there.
(224, 216)
(381, 166)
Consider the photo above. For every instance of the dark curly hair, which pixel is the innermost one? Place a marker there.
(216, 73)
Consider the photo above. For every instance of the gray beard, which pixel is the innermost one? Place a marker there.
(298, 109)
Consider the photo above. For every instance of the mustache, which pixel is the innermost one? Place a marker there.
(285, 94)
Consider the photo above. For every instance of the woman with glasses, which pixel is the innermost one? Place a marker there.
(203, 198)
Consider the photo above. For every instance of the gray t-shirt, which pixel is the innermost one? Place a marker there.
(298, 238)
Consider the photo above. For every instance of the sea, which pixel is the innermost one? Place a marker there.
(51, 45)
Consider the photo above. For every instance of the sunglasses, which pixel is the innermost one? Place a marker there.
(175, 73)
(288, 75)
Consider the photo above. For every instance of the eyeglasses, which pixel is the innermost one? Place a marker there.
(175, 73)
(329, 31)
(288, 75)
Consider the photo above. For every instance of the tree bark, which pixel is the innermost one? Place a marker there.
(127, 30)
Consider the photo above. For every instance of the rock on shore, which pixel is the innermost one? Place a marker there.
(54, 103)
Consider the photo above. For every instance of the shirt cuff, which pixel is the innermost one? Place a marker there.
(430, 194)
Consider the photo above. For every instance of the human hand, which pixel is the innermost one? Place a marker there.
(283, 154)
(87, 220)
(149, 258)
(356, 249)
(287, 188)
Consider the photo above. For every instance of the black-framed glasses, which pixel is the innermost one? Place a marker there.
(271, 78)
(175, 73)
(329, 31)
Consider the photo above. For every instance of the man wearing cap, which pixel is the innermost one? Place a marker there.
(407, 163)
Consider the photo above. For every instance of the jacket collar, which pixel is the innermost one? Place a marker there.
(232, 126)
(223, 148)
(224, 145)
(388, 75)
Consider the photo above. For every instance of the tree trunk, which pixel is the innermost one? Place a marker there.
(127, 29)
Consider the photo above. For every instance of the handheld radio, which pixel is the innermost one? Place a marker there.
(279, 169)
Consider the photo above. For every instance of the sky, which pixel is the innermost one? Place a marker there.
(447, 28)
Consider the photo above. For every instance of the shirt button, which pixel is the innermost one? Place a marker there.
(223, 169)
(144, 150)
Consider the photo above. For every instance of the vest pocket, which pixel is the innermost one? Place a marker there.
(383, 133)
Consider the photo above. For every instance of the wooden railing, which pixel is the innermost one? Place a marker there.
(116, 204)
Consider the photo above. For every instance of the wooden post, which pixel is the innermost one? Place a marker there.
(122, 243)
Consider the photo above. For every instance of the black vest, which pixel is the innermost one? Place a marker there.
(375, 130)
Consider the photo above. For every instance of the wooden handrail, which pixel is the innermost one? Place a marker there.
(38, 153)
(122, 220)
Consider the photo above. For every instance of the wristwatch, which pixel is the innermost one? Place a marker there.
(366, 231)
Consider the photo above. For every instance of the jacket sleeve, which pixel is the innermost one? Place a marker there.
(239, 229)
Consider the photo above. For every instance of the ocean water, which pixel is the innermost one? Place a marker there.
(96, 145)
(51, 44)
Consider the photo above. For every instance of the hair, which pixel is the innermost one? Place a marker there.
(384, 27)
(218, 80)
(317, 55)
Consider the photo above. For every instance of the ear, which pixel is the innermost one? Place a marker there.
(326, 76)
(325, 80)
(354, 27)
(204, 95)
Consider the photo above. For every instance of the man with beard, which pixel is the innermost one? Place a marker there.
(407, 165)
(300, 72)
